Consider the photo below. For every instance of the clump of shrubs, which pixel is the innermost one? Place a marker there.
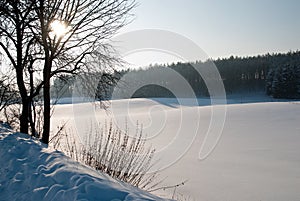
(112, 151)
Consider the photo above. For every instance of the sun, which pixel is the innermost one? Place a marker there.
(58, 28)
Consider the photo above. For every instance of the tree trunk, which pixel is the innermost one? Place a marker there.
(25, 103)
(31, 119)
(20, 81)
(24, 116)
(47, 113)
(47, 108)
(31, 101)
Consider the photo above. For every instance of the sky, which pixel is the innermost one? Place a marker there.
(221, 28)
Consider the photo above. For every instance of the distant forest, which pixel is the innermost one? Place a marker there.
(277, 75)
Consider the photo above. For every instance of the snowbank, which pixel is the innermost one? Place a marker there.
(30, 171)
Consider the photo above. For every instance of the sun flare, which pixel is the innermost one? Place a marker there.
(58, 28)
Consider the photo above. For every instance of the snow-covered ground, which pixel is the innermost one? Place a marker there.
(256, 157)
(30, 171)
(257, 152)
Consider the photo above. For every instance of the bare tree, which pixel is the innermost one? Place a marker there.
(73, 34)
(47, 38)
(16, 43)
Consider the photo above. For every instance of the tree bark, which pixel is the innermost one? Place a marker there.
(24, 116)
(47, 108)
(31, 101)
(20, 80)
(25, 103)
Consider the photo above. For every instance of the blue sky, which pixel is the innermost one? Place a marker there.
(225, 27)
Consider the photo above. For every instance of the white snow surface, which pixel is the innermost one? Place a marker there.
(30, 171)
(257, 157)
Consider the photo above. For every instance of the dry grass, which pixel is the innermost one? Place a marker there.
(112, 151)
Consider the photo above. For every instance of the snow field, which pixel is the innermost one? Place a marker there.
(257, 157)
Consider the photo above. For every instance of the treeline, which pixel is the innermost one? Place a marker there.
(98, 85)
(277, 75)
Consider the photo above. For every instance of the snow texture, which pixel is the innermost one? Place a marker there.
(30, 171)
(257, 157)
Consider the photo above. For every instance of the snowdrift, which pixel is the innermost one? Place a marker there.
(30, 171)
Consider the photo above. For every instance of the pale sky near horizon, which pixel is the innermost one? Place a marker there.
(222, 27)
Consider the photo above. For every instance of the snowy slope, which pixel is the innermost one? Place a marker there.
(257, 157)
(30, 171)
